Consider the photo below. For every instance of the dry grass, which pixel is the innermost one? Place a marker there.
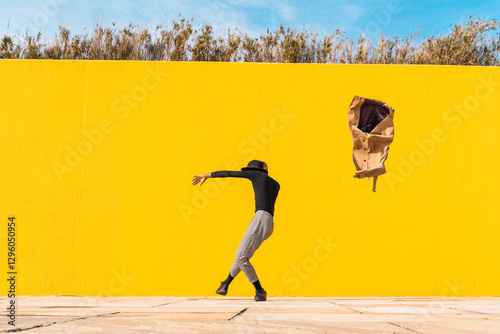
(476, 42)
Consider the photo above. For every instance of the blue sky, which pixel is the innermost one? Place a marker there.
(394, 17)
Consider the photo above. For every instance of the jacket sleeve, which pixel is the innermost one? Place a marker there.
(230, 173)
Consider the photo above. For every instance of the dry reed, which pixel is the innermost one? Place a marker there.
(476, 42)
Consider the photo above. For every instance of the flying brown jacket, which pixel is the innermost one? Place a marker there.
(372, 131)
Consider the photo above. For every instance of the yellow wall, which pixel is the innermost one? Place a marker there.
(96, 160)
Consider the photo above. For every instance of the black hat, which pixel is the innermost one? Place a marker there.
(255, 165)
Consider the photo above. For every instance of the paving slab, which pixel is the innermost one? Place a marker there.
(88, 314)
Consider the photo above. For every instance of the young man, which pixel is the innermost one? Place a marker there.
(261, 227)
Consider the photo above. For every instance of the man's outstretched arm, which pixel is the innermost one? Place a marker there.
(223, 173)
(200, 179)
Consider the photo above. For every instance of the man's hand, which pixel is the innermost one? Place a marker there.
(200, 179)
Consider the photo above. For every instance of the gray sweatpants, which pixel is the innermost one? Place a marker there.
(261, 227)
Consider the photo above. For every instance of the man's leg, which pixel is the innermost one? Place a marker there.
(233, 272)
(235, 269)
(261, 227)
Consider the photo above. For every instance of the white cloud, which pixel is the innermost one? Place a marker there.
(250, 16)
(247, 15)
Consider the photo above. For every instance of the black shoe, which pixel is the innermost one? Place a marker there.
(260, 296)
(222, 290)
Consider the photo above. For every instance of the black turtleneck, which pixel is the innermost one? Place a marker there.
(265, 187)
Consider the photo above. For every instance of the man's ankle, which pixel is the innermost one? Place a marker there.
(257, 286)
(228, 280)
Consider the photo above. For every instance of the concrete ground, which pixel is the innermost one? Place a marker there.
(73, 314)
